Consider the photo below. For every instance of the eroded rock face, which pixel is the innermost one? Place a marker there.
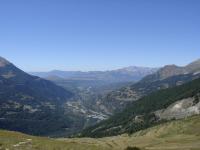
(181, 109)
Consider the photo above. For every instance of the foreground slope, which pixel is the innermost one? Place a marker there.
(178, 102)
(175, 135)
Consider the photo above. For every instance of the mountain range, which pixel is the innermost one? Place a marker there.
(128, 99)
(29, 103)
(89, 88)
(166, 77)
(160, 106)
(127, 74)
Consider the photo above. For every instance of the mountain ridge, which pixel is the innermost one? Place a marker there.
(132, 73)
(166, 77)
(148, 110)
(29, 103)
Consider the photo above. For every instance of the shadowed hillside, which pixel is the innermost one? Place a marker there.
(30, 104)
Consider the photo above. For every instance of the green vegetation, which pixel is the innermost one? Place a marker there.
(124, 122)
(33, 105)
(18, 141)
(149, 84)
(132, 148)
(175, 135)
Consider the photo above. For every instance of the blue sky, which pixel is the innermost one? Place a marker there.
(42, 35)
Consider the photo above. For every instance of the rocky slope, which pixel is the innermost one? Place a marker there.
(166, 77)
(172, 103)
(180, 109)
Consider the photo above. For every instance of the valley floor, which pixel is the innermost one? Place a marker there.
(175, 135)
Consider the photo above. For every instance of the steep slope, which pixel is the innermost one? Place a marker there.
(13, 81)
(175, 135)
(166, 77)
(144, 112)
(194, 66)
(30, 104)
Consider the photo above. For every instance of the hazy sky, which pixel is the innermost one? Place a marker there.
(41, 35)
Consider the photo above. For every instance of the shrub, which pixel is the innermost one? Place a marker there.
(132, 148)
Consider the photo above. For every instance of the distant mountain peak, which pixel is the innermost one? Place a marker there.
(169, 67)
(140, 71)
(170, 70)
(3, 62)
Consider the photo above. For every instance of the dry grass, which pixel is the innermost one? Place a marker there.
(176, 135)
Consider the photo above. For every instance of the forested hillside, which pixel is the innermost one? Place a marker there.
(140, 114)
